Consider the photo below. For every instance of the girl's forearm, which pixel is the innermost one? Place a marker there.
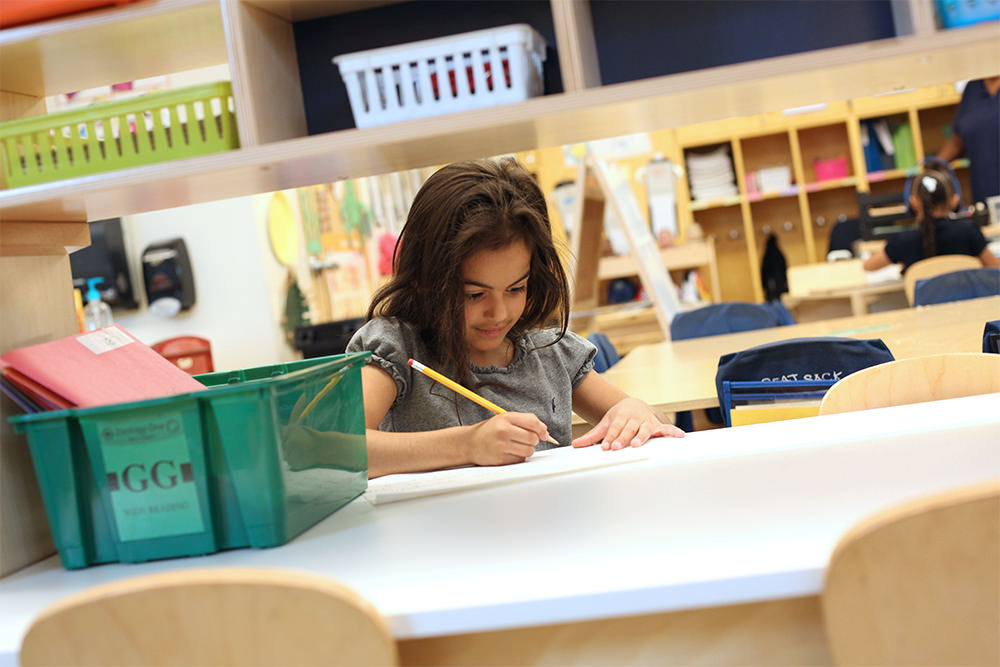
(424, 450)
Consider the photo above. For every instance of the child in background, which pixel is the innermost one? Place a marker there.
(477, 277)
(932, 199)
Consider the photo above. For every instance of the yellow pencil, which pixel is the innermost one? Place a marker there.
(459, 389)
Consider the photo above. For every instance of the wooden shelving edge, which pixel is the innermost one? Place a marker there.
(734, 90)
(57, 56)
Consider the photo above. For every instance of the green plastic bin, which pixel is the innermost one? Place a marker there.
(254, 460)
(157, 127)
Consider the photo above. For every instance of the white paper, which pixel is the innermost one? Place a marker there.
(884, 136)
(105, 340)
(559, 461)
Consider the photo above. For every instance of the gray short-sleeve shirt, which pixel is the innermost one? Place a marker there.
(540, 380)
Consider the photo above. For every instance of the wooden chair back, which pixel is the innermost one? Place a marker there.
(934, 266)
(915, 380)
(919, 584)
(224, 616)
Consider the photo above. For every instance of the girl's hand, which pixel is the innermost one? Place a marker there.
(507, 438)
(629, 423)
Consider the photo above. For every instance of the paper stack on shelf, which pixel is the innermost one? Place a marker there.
(711, 175)
(84, 370)
(774, 178)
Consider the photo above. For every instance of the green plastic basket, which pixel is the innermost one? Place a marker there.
(171, 125)
(258, 457)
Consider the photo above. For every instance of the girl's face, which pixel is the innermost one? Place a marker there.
(496, 285)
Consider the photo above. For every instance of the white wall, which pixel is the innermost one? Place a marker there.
(238, 283)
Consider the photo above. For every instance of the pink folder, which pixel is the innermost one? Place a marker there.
(99, 368)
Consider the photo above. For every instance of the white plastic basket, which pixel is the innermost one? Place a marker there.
(401, 82)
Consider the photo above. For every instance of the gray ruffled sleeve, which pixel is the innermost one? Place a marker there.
(581, 353)
(392, 344)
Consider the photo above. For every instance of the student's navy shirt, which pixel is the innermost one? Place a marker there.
(977, 122)
(952, 237)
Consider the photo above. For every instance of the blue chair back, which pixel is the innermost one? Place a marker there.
(957, 286)
(799, 359)
(723, 318)
(607, 355)
(991, 337)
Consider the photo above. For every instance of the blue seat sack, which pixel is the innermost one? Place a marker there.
(800, 359)
(723, 318)
(957, 286)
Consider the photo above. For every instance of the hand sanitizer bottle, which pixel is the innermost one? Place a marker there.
(96, 313)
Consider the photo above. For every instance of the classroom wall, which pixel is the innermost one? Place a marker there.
(239, 284)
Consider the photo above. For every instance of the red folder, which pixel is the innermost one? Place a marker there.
(99, 368)
(35, 391)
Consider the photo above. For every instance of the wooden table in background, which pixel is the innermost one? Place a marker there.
(857, 297)
(680, 375)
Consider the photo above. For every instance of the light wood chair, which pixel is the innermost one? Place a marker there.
(915, 380)
(919, 584)
(226, 616)
(935, 266)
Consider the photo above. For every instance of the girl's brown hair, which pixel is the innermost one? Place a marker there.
(935, 189)
(462, 209)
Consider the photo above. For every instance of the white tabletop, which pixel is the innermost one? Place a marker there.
(719, 517)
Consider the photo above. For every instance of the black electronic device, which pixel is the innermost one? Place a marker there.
(887, 214)
(166, 271)
(880, 216)
(105, 258)
(320, 340)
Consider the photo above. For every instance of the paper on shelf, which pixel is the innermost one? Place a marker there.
(559, 461)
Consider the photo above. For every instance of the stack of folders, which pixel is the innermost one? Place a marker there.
(86, 370)
(711, 175)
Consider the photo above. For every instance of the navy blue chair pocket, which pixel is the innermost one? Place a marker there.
(800, 359)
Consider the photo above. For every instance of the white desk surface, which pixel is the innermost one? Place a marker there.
(720, 517)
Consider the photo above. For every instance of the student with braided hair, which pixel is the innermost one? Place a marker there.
(932, 199)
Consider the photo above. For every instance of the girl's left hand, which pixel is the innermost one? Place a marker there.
(629, 423)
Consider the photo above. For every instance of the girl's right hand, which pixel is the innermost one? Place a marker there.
(507, 438)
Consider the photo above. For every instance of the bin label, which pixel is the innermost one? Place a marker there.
(150, 477)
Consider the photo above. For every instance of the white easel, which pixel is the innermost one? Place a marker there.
(597, 183)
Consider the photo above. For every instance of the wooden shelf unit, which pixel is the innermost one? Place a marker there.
(255, 38)
(277, 153)
(803, 214)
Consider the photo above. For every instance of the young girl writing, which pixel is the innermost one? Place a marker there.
(932, 199)
(477, 278)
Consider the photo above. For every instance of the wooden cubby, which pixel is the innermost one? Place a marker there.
(826, 209)
(782, 217)
(824, 142)
(766, 151)
(936, 126)
(726, 224)
(257, 40)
